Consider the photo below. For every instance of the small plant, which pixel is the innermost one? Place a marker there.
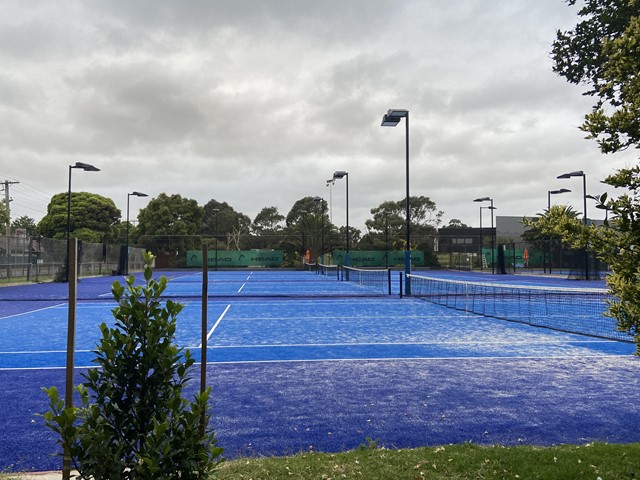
(133, 421)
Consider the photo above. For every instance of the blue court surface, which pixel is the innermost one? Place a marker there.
(299, 362)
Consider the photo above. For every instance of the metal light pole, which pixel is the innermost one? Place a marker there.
(136, 194)
(338, 175)
(321, 201)
(330, 184)
(492, 208)
(481, 241)
(215, 211)
(554, 192)
(391, 119)
(386, 239)
(580, 173)
(87, 168)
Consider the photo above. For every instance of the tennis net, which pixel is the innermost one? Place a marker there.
(575, 310)
(376, 279)
(328, 270)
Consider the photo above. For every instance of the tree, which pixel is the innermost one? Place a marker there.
(4, 214)
(169, 222)
(267, 229)
(94, 218)
(225, 224)
(133, 422)
(455, 223)
(26, 223)
(602, 51)
(424, 215)
(550, 225)
(308, 226)
(268, 220)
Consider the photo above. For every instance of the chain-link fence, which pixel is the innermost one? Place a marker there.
(25, 258)
(547, 257)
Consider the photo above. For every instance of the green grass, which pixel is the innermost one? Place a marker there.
(451, 462)
(467, 461)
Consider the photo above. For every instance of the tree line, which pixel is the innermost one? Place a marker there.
(172, 223)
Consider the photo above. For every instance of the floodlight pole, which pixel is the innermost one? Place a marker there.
(492, 208)
(386, 239)
(391, 119)
(481, 241)
(136, 194)
(580, 173)
(321, 200)
(338, 175)
(87, 168)
(330, 184)
(215, 211)
(554, 192)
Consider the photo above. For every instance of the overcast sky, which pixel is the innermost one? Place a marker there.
(257, 103)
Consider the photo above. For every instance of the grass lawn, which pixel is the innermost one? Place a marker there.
(467, 461)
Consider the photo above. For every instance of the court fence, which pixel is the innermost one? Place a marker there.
(547, 257)
(27, 258)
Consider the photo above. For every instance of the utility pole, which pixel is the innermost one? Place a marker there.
(7, 200)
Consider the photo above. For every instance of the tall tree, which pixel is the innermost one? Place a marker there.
(424, 216)
(603, 52)
(169, 223)
(94, 218)
(308, 226)
(26, 223)
(268, 220)
(225, 224)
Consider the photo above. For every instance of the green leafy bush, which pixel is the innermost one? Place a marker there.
(133, 421)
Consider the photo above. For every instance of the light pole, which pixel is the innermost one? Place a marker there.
(136, 194)
(330, 184)
(215, 234)
(321, 201)
(87, 168)
(492, 208)
(481, 240)
(386, 239)
(580, 173)
(303, 214)
(337, 176)
(549, 193)
(391, 119)
(554, 192)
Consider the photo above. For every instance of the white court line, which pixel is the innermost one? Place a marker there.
(39, 352)
(568, 343)
(373, 359)
(240, 289)
(419, 359)
(217, 323)
(249, 276)
(33, 311)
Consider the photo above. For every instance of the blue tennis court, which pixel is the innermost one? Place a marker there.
(300, 361)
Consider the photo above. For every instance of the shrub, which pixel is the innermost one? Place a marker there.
(133, 421)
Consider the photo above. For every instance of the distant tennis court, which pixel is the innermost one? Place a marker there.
(304, 360)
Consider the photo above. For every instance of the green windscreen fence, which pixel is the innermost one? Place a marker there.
(373, 258)
(236, 258)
